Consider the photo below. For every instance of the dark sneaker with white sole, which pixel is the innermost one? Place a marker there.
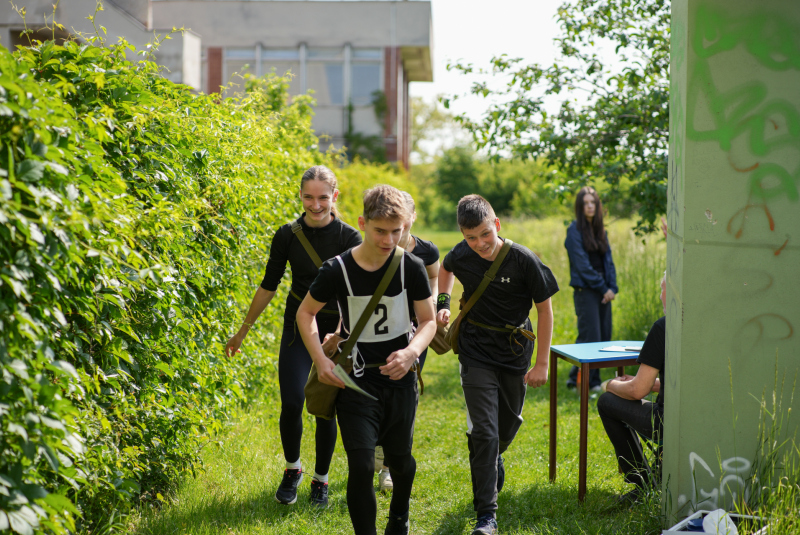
(486, 525)
(287, 491)
(397, 525)
(319, 494)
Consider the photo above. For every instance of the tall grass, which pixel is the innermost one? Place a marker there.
(772, 491)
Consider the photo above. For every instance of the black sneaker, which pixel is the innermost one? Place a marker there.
(319, 494)
(501, 473)
(287, 491)
(397, 525)
(486, 525)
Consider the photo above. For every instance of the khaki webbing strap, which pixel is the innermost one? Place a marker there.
(507, 329)
(373, 302)
(297, 229)
(487, 277)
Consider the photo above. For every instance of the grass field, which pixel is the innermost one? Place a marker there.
(235, 493)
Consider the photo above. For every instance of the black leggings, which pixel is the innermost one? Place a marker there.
(361, 494)
(294, 363)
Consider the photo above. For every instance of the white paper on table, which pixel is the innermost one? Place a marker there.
(620, 349)
(339, 372)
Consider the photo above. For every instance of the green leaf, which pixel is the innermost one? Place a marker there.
(30, 170)
(60, 503)
(165, 368)
(23, 520)
(61, 366)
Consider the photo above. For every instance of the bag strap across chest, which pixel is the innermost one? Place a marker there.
(487, 277)
(297, 229)
(373, 302)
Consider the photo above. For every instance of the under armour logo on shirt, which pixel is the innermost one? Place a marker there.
(505, 279)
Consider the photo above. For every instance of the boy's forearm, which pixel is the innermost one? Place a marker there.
(423, 336)
(309, 332)
(446, 280)
(544, 334)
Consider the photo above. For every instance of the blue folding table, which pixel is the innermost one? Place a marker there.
(586, 357)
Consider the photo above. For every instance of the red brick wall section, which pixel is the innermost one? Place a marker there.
(390, 88)
(214, 56)
(406, 132)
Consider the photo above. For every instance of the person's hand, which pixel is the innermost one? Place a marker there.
(326, 375)
(604, 385)
(233, 345)
(664, 226)
(443, 317)
(327, 337)
(608, 296)
(398, 364)
(536, 376)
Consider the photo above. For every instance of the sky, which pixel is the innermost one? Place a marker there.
(474, 31)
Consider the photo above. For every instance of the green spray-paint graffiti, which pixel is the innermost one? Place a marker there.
(769, 37)
(769, 124)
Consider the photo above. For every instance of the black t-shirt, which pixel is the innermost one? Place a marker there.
(654, 352)
(334, 238)
(330, 284)
(596, 259)
(522, 278)
(426, 251)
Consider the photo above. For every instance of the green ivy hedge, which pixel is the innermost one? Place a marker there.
(135, 220)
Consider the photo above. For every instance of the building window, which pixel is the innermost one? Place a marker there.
(366, 81)
(283, 61)
(325, 75)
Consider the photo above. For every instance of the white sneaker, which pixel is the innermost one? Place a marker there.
(385, 483)
(378, 458)
(596, 389)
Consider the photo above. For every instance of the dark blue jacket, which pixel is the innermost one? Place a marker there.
(581, 272)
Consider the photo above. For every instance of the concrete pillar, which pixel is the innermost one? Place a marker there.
(733, 248)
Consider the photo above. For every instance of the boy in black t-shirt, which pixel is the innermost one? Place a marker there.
(625, 413)
(495, 359)
(382, 356)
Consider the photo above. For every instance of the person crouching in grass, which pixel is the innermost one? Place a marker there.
(495, 356)
(382, 358)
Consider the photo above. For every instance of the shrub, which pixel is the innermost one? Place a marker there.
(135, 217)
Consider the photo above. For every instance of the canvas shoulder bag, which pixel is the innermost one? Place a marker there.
(321, 398)
(451, 332)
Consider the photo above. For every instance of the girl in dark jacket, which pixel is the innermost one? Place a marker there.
(593, 276)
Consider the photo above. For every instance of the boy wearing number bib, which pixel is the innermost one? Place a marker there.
(495, 344)
(382, 357)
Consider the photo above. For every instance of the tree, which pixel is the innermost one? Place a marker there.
(433, 129)
(619, 134)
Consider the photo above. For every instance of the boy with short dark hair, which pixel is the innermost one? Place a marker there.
(493, 352)
(382, 358)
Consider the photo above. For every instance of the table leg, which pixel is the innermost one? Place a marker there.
(553, 415)
(583, 431)
(620, 371)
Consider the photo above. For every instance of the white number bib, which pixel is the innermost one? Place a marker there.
(390, 318)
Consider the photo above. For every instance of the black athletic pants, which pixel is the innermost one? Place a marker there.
(364, 423)
(594, 325)
(622, 420)
(294, 364)
(494, 415)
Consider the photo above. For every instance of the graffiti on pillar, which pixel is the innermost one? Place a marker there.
(741, 106)
(712, 490)
(759, 133)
